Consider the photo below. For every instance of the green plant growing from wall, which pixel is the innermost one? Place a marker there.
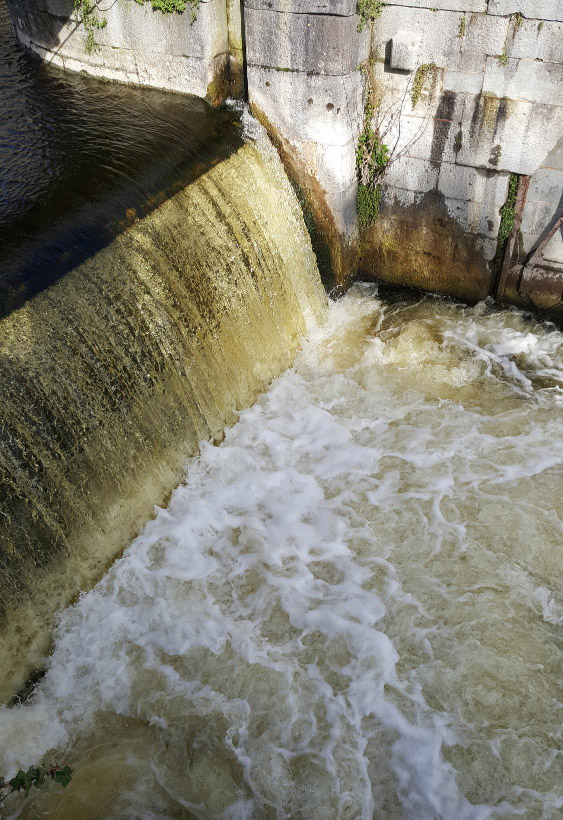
(88, 15)
(368, 11)
(175, 7)
(372, 156)
(420, 75)
(368, 201)
(503, 58)
(507, 213)
(381, 142)
(461, 27)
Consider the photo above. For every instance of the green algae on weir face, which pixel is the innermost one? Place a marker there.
(111, 378)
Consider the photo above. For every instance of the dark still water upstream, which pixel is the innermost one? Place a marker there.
(80, 159)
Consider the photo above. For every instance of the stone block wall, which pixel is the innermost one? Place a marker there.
(492, 106)
(303, 84)
(541, 285)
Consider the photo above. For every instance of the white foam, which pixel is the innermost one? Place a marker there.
(348, 608)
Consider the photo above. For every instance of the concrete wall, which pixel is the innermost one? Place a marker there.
(138, 45)
(303, 84)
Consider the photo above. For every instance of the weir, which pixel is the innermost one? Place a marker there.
(111, 378)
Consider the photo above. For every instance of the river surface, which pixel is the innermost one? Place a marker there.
(82, 159)
(351, 608)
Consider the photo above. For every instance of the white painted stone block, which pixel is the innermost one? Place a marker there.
(413, 174)
(474, 217)
(524, 80)
(447, 5)
(439, 32)
(537, 40)
(397, 197)
(142, 29)
(462, 183)
(508, 135)
(553, 253)
(428, 137)
(463, 82)
(405, 50)
(547, 186)
(554, 250)
(318, 108)
(555, 157)
(303, 42)
(484, 34)
(392, 88)
(469, 61)
(537, 216)
(461, 210)
(538, 9)
(344, 8)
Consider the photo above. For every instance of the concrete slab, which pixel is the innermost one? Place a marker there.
(529, 80)
(303, 42)
(344, 8)
(538, 9)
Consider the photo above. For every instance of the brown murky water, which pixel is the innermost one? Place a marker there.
(351, 608)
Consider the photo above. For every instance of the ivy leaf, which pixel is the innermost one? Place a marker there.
(63, 776)
(23, 780)
(39, 777)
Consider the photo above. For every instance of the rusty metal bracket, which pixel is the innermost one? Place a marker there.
(533, 258)
(506, 277)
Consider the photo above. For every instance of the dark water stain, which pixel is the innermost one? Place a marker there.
(442, 124)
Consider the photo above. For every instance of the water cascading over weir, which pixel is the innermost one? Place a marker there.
(111, 376)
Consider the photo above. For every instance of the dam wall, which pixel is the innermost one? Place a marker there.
(111, 377)
(461, 93)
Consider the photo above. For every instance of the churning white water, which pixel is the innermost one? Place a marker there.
(350, 609)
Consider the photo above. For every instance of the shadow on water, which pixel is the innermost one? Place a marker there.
(81, 159)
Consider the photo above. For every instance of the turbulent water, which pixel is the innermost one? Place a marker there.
(351, 608)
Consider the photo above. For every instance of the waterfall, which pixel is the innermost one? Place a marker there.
(111, 377)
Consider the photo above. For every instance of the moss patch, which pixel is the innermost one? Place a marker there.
(420, 76)
(368, 201)
(368, 11)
